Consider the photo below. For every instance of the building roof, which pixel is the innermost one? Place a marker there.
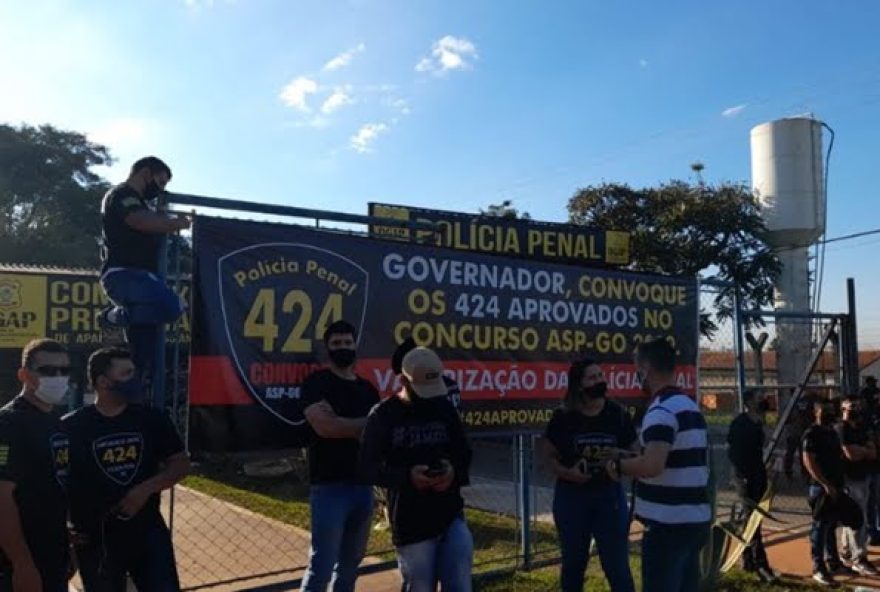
(726, 359)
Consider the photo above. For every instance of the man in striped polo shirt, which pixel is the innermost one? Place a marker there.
(672, 497)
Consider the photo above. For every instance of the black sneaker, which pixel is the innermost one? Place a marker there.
(824, 578)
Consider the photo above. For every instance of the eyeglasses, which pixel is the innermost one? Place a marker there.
(53, 370)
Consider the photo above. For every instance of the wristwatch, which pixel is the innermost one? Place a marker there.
(614, 467)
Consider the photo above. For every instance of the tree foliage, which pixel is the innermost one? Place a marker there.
(688, 229)
(506, 210)
(49, 198)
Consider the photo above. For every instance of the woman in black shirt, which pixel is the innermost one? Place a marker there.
(580, 438)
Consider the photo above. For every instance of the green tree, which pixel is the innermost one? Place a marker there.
(506, 210)
(49, 197)
(688, 229)
(50, 200)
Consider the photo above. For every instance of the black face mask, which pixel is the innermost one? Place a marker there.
(152, 190)
(828, 418)
(763, 407)
(343, 358)
(597, 391)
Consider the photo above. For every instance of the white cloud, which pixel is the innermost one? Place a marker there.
(362, 141)
(296, 92)
(344, 59)
(316, 122)
(401, 106)
(734, 111)
(643, 63)
(199, 4)
(339, 99)
(119, 131)
(448, 53)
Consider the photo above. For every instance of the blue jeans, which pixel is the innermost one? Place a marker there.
(873, 503)
(823, 544)
(447, 559)
(341, 518)
(671, 557)
(147, 303)
(583, 513)
(145, 553)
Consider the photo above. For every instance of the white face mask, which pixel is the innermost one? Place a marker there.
(52, 389)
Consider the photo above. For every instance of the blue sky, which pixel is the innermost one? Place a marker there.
(456, 104)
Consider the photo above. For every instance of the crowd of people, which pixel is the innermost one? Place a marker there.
(82, 492)
(837, 439)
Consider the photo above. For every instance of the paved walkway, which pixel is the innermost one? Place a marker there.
(220, 547)
(789, 553)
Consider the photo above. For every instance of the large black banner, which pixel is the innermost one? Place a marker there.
(506, 329)
(528, 239)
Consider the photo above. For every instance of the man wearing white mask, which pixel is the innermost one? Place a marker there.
(34, 554)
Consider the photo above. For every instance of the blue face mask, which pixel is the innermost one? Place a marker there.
(130, 390)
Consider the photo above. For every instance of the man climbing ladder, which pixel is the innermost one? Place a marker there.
(132, 239)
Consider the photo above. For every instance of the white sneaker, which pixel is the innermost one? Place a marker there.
(824, 578)
(863, 568)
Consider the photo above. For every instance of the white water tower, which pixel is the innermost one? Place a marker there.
(788, 179)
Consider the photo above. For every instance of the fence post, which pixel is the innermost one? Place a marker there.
(524, 453)
(852, 370)
(740, 349)
(157, 385)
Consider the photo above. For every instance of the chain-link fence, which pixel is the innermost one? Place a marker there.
(243, 520)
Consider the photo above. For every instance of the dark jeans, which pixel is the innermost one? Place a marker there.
(341, 517)
(793, 449)
(582, 513)
(823, 544)
(873, 503)
(144, 552)
(751, 489)
(671, 557)
(148, 303)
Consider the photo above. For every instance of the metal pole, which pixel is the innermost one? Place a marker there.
(524, 449)
(175, 370)
(853, 341)
(158, 370)
(739, 344)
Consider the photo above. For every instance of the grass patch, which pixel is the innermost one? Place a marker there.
(547, 580)
(495, 536)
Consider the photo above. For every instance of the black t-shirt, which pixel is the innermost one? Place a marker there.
(335, 459)
(111, 455)
(850, 434)
(34, 456)
(401, 435)
(823, 442)
(577, 436)
(123, 245)
(745, 450)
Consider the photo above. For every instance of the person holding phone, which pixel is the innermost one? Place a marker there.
(580, 438)
(414, 445)
(122, 456)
